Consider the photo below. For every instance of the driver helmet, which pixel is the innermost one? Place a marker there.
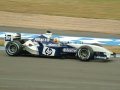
(56, 40)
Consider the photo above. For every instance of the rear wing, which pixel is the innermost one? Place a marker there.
(11, 37)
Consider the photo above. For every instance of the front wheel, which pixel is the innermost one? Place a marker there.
(85, 53)
(13, 48)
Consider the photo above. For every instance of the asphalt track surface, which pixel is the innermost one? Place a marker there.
(38, 73)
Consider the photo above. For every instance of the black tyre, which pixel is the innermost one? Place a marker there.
(85, 53)
(13, 48)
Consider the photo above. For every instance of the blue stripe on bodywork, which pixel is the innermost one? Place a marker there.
(40, 48)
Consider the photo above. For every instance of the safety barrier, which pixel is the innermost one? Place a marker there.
(86, 40)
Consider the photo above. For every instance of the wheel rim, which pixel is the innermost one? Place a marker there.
(84, 54)
(12, 48)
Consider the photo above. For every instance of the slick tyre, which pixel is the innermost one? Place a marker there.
(85, 53)
(13, 48)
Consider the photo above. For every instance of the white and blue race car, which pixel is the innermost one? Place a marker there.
(43, 45)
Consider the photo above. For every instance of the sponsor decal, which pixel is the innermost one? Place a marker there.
(8, 38)
(41, 39)
(54, 45)
(69, 50)
(48, 51)
(100, 57)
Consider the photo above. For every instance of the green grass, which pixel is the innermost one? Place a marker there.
(105, 9)
(1, 42)
(115, 49)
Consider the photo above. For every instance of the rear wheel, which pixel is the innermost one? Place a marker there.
(13, 48)
(85, 53)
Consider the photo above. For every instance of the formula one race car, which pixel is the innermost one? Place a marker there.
(43, 45)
